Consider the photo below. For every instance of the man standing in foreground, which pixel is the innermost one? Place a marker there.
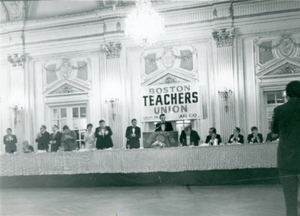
(286, 123)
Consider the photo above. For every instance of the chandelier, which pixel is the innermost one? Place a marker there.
(144, 25)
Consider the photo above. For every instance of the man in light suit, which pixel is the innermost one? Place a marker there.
(163, 125)
(286, 123)
(133, 135)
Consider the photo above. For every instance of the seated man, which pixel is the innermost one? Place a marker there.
(236, 137)
(163, 125)
(189, 137)
(271, 137)
(213, 136)
(255, 137)
(27, 148)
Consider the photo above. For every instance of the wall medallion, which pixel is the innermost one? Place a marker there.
(286, 44)
(168, 57)
(66, 68)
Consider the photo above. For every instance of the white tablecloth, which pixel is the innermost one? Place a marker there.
(141, 160)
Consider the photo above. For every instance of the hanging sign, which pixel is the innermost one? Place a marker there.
(178, 101)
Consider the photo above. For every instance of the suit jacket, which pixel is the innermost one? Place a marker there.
(57, 138)
(43, 141)
(286, 123)
(104, 141)
(194, 137)
(134, 142)
(270, 137)
(10, 145)
(250, 136)
(208, 138)
(168, 126)
(69, 143)
(240, 139)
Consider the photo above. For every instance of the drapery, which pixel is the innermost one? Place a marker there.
(141, 160)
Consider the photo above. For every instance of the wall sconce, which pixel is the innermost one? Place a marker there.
(225, 94)
(16, 108)
(112, 102)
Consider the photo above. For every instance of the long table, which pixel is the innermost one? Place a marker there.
(177, 159)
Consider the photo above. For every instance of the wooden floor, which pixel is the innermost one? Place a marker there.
(253, 200)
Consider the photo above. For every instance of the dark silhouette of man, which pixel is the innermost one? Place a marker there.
(286, 123)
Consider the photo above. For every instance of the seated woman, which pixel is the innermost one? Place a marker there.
(236, 137)
(189, 137)
(89, 137)
(271, 137)
(255, 137)
(210, 139)
(27, 148)
(68, 139)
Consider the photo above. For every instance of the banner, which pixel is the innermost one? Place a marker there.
(178, 101)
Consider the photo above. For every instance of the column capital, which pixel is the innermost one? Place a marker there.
(111, 49)
(224, 37)
(16, 59)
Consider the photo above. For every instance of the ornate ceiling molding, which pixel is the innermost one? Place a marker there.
(16, 10)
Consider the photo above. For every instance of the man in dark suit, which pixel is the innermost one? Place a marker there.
(133, 135)
(43, 139)
(55, 139)
(255, 137)
(212, 136)
(271, 137)
(103, 135)
(189, 137)
(236, 137)
(286, 123)
(163, 125)
(10, 142)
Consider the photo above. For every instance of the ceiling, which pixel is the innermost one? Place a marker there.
(13, 10)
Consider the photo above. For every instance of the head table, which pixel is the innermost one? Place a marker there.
(177, 159)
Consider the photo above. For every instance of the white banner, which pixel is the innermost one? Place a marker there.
(178, 101)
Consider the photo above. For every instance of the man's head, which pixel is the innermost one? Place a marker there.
(66, 128)
(293, 89)
(254, 130)
(134, 122)
(188, 128)
(8, 131)
(25, 144)
(54, 128)
(43, 128)
(162, 117)
(89, 127)
(212, 131)
(236, 130)
(102, 123)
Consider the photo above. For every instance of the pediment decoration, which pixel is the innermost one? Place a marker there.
(66, 88)
(168, 78)
(287, 68)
